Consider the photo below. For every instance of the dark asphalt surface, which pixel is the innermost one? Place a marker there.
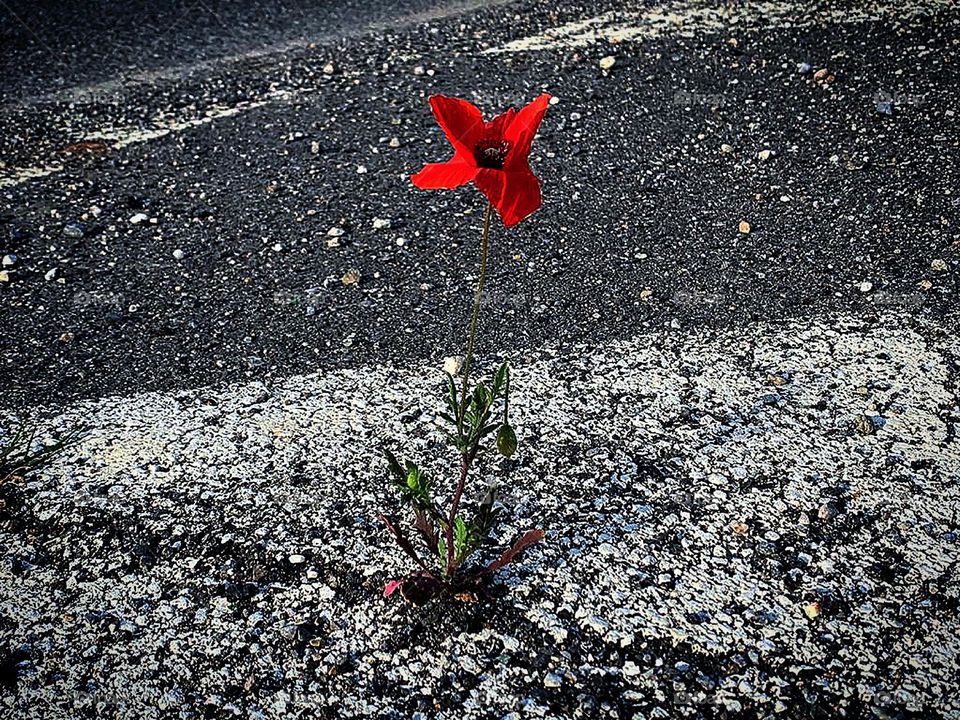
(638, 232)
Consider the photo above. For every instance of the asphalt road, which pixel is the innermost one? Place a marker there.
(244, 132)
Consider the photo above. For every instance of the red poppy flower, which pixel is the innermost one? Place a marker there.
(493, 155)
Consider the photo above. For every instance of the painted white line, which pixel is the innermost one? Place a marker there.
(742, 491)
(119, 138)
(695, 17)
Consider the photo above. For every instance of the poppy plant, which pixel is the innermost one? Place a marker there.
(493, 155)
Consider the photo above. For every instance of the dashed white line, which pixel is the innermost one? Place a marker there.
(687, 19)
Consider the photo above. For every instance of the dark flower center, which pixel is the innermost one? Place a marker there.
(491, 153)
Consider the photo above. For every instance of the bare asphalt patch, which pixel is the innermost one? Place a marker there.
(747, 523)
(205, 256)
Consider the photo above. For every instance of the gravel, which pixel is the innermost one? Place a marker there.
(720, 539)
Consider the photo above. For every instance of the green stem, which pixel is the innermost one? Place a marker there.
(468, 453)
(477, 299)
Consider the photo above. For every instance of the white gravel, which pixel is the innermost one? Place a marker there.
(757, 520)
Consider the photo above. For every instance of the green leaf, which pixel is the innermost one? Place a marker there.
(461, 538)
(506, 441)
(394, 465)
(452, 401)
(501, 381)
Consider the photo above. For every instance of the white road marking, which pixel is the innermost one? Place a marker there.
(119, 138)
(690, 18)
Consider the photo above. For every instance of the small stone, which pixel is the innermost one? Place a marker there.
(865, 287)
(938, 265)
(452, 365)
(765, 155)
(381, 224)
(139, 218)
(827, 512)
(361, 169)
(277, 247)
(315, 148)
(821, 74)
(297, 559)
(812, 610)
(66, 337)
(333, 242)
(329, 69)
(607, 62)
(598, 624)
(9, 260)
(804, 68)
(418, 70)
(4, 276)
(744, 227)
(351, 277)
(740, 528)
(925, 284)
(726, 149)
(50, 274)
(646, 294)
(394, 142)
(74, 230)
(178, 254)
(336, 232)
(552, 680)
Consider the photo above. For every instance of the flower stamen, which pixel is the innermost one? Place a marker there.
(492, 153)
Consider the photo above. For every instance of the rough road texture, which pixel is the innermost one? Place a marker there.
(236, 172)
(751, 523)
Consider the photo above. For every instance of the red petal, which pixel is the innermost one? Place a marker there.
(391, 587)
(514, 194)
(522, 129)
(497, 128)
(444, 176)
(461, 121)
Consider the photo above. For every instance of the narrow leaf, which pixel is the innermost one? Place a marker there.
(526, 540)
(402, 540)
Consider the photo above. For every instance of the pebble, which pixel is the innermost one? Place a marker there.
(50, 274)
(884, 107)
(381, 224)
(315, 148)
(4, 276)
(821, 74)
(350, 277)
(297, 559)
(336, 232)
(865, 287)
(329, 69)
(812, 610)
(74, 230)
(727, 149)
(178, 254)
(765, 155)
(804, 68)
(394, 142)
(552, 680)
(607, 62)
(9, 260)
(827, 512)
(452, 365)
(744, 227)
(138, 218)
(938, 265)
